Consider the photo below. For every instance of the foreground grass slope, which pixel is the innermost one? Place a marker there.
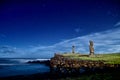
(112, 58)
(96, 76)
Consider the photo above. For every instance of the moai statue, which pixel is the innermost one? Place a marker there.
(73, 49)
(91, 49)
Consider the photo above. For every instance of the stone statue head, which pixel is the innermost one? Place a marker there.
(91, 43)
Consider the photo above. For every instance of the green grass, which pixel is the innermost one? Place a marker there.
(96, 76)
(107, 75)
(113, 58)
(91, 77)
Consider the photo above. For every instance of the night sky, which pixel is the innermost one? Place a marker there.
(45, 23)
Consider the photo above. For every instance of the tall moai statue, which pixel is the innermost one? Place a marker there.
(91, 48)
(73, 49)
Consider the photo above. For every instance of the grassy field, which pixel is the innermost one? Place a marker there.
(96, 76)
(112, 58)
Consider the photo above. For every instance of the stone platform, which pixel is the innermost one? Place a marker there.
(59, 62)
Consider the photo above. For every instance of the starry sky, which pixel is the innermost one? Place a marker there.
(32, 23)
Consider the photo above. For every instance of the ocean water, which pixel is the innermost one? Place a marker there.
(13, 67)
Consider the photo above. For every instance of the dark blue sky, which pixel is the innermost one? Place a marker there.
(45, 22)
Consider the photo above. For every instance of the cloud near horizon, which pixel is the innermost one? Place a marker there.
(104, 42)
(117, 24)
